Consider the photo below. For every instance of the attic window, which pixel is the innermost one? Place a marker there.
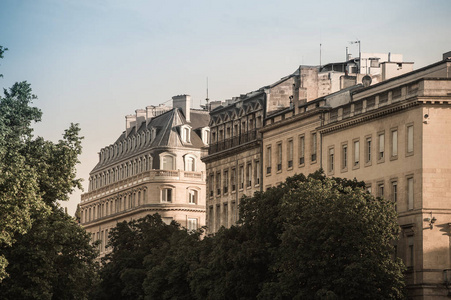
(153, 133)
(205, 133)
(186, 134)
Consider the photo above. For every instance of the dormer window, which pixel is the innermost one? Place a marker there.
(153, 134)
(186, 133)
(205, 132)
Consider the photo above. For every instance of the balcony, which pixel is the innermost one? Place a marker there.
(143, 177)
(233, 141)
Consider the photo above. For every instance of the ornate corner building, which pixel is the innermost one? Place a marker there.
(153, 167)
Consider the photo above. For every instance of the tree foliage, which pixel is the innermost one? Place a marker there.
(144, 251)
(53, 260)
(44, 254)
(309, 238)
(2, 51)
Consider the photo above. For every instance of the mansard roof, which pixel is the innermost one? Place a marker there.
(167, 126)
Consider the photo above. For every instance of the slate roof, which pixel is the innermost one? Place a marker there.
(168, 133)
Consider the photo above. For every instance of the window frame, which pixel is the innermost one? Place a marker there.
(301, 150)
(394, 143)
(410, 139)
(381, 146)
(344, 156)
(165, 193)
(356, 153)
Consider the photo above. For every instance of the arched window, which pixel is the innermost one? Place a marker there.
(192, 196)
(190, 163)
(168, 162)
(186, 133)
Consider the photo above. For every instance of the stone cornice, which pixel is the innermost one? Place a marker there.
(292, 119)
(367, 116)
(143, 208)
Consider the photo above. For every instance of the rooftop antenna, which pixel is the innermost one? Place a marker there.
(207, 99)
(357, 41)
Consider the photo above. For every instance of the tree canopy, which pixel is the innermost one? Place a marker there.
(309, 238)
(44, 254)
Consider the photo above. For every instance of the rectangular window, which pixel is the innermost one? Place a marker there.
(257, 172)
(218, 183)
(356, 153)
(290, 153)
(210, 217)
(210, 184)
(314, 145)
(226, 215)
(226, 181)
(301, 150)
(394, 193)
(218, 217)
(166, 195)
(331, 159)
(381, 146)
(268, 160)
(233, 212)
(368, 151)
(241, 177)
(249, 175)
(394, 143)
(410, 139)
(410, 252)
(410, 193)
(279, 157)
(106, 239)
(192, 197)
(192, 224)
(344, 155)
(380, 190)
(233, 179)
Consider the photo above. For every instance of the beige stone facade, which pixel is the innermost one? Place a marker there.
(154, 167)
(234, 162)
(396, 137)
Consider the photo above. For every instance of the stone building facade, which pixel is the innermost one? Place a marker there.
(395, 136)
(233, 163)
(153, 167)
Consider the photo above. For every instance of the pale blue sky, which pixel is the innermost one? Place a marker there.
(93, 62)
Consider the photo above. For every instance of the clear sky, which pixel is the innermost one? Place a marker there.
(94, 61)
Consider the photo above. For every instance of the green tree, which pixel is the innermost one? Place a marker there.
(53, 260)
(20, 196)
(168, 267)
(336, 243)
(133, 245)
(49, 255)
(2, 50)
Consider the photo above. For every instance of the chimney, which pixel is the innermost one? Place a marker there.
(183, 102)
(140, 117)
(150, 113)
(130, 121)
